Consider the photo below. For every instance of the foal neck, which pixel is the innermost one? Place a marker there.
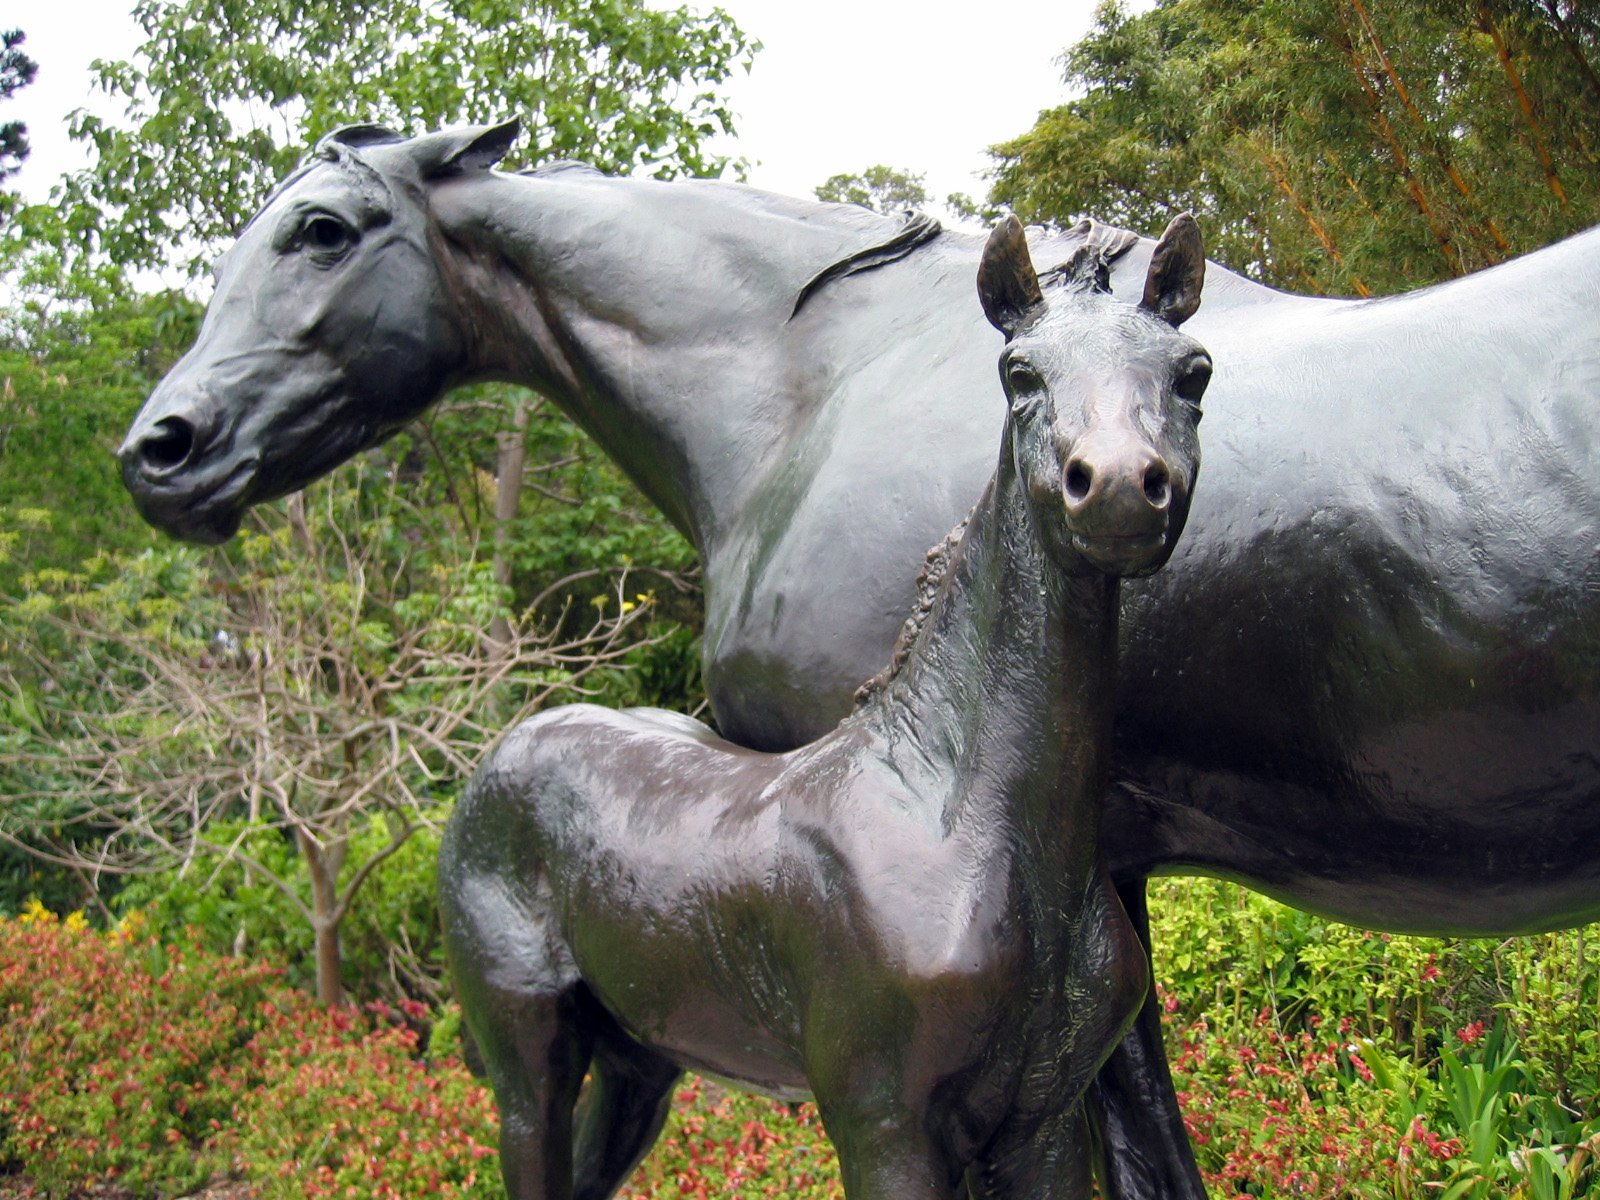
(1002, 709)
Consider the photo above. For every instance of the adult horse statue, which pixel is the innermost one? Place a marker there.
(1368, 684)
(909, 918)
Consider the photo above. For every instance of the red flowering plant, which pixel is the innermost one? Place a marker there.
(724, 1143)
(157, 1067)
(108, 1050)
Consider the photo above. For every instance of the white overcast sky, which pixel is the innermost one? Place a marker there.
(839, 85)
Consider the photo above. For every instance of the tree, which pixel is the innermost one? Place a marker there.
(224, 97)
(17, 70)
(168, 709)
(882, 189)
(621, 85)
(1327, 145)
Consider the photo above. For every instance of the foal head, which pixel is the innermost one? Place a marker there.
(1105, 396)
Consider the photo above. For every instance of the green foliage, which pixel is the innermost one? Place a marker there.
(109, 1050)
(620, 84)
(723, 1143)
(153, 1063)
(17, 70)
(75, 364)
(344, 1108)
(1327, 145)
(1316, 1059)
(301, 704)
(390, 941)
(880, 188)
(156, 1066)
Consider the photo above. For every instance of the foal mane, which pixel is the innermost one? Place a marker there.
(1087, 269)
(935, 566)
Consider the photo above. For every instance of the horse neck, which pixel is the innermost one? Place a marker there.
(1003, 707)
(652, 314)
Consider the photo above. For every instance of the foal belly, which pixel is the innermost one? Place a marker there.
(706, 996)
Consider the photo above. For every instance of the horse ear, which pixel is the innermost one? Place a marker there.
(1177, 271)
(1007, 282)
(361, 135)
(470, 148)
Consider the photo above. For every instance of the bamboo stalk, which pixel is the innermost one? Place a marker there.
(1454, 176)
(1281, 177)
(1571, 43)
(1486, 22)
(1403, 161)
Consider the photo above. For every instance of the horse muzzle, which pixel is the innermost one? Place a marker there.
(178, 466)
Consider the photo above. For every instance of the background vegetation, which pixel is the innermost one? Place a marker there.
(215, 871)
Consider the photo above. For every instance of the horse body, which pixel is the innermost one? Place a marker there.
(1369, 684)
(910, 917)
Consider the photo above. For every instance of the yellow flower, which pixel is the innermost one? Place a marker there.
(131, 925)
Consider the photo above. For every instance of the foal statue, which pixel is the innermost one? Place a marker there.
(909, 919)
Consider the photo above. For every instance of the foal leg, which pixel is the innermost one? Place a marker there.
(524, 1004)
(621, 1113)
(1046, 1159)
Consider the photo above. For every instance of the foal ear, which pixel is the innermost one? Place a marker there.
(1007, 282)
(470, 148)
(1177, 271)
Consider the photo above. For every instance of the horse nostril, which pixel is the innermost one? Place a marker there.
(168, 445)
(1157, 485)
(1079, 477)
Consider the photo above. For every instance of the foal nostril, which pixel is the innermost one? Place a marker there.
(1157, 485)
(1079, 478)
(166, 446)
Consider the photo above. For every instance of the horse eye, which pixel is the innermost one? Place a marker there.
(327, 234)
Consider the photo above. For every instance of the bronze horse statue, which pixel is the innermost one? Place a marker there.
(1368, 684)
(909, 918)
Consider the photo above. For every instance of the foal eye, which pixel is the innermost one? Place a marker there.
(1023, 379)
(1192, 381)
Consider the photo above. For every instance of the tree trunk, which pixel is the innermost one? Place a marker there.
(323, 864)
(509, 459)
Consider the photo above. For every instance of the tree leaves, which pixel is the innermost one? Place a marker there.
(1327, 145)
(225, 96)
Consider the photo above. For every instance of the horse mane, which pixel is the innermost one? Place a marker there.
(935, 567)
(560, 166)
(916, 229)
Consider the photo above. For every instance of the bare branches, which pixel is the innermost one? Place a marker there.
(335, 667)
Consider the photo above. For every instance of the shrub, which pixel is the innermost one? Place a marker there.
(158, 1066)
(109, 1051)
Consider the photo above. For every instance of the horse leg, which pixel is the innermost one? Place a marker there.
(621, 1113)
(1146, 1149)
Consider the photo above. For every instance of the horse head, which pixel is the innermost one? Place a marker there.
(328, 330)
(1104, 395)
